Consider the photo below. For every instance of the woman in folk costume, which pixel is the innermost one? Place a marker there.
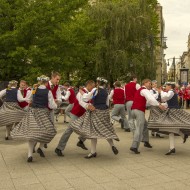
(172, 121)
(96, 124)
(37, 126)
(10, 111)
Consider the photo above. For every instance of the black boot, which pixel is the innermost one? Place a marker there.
(135, 150)
(171, 151)
(30, 159)
(185, 138)
(39, 151)
(147, 145)
(81, 145)
(115, 151)
(58, 152)
(91, 156)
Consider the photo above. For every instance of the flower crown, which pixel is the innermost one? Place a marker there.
(102, 80)
(13, 82)
(43, 78)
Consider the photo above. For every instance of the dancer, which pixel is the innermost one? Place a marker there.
(96, 124)
(37, 126)
(130, 90)
(118, 97)
(69, 96)
(156, 94)
(77, 111)
(142, 96)
(10, 111)
(26, 93)
(173, 121)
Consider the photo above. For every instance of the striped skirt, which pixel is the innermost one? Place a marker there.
(10, 113)
(169, 121)
(95, 124)
(35, 126)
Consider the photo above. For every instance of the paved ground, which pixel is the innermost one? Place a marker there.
(151, 170)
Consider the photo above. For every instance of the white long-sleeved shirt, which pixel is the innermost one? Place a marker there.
(19, 95)
(149, 98)
(51, 101)
(88, 96)
(154, 94)
(58, 93)
(67, 95)
(79, 97)
(165, 96)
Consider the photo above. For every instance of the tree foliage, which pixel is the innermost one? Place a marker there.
(112, 38)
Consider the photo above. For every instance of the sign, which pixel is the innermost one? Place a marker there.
(184, 75)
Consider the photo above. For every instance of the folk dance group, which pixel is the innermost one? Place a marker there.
(28, 113)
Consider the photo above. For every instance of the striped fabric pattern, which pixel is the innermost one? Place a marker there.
(10, 113)
(95, 124)
(35, 126)
(170, 118)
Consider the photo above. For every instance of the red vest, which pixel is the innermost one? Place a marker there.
(77, 109)
(24, 104)
(54, 90)
(130, 90)
(72, 96)
(118, 96)
(139, 102)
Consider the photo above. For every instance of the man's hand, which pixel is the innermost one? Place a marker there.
(162, 107)
(90, 107)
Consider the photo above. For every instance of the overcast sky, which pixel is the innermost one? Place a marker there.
(177, 25)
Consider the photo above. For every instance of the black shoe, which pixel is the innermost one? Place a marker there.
(115, 151)
(91, 156)
(58, 152)
(81, 145)
(147, 145)
(135, 150)
(30, 159)
(185, 138)
(127, 130)
(45, 146)
(66, 122)
(171, 151)
(6, 138)
(158, 135)
(152, 134)
(122, 123)
(39, 151)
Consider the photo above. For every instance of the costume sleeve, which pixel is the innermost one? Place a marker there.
(111, 95)
(138, 86)
(88, 96)
(2, 93)
(165, 96)
(67, 95)
(150, 99)
(81, 101)
(51, 101)
(20, 97)
(58, 95)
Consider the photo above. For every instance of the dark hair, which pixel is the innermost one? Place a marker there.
(133, 77)
(66, 84)
(89, 82)
(117, 84)
(171, 84)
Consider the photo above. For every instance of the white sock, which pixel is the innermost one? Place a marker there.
(110, 141)
(171, 139)
(41, 146)
(93, 145)
(30, 147)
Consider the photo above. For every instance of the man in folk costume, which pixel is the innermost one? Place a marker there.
(142, 97)
(173, 121)
(156, 94)
(96, 124)
(37, 126)
(53, 85)
(79, 108)
(26, 93)
(10, 111)
(70, 97)
(130, 90)
(118, 97)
